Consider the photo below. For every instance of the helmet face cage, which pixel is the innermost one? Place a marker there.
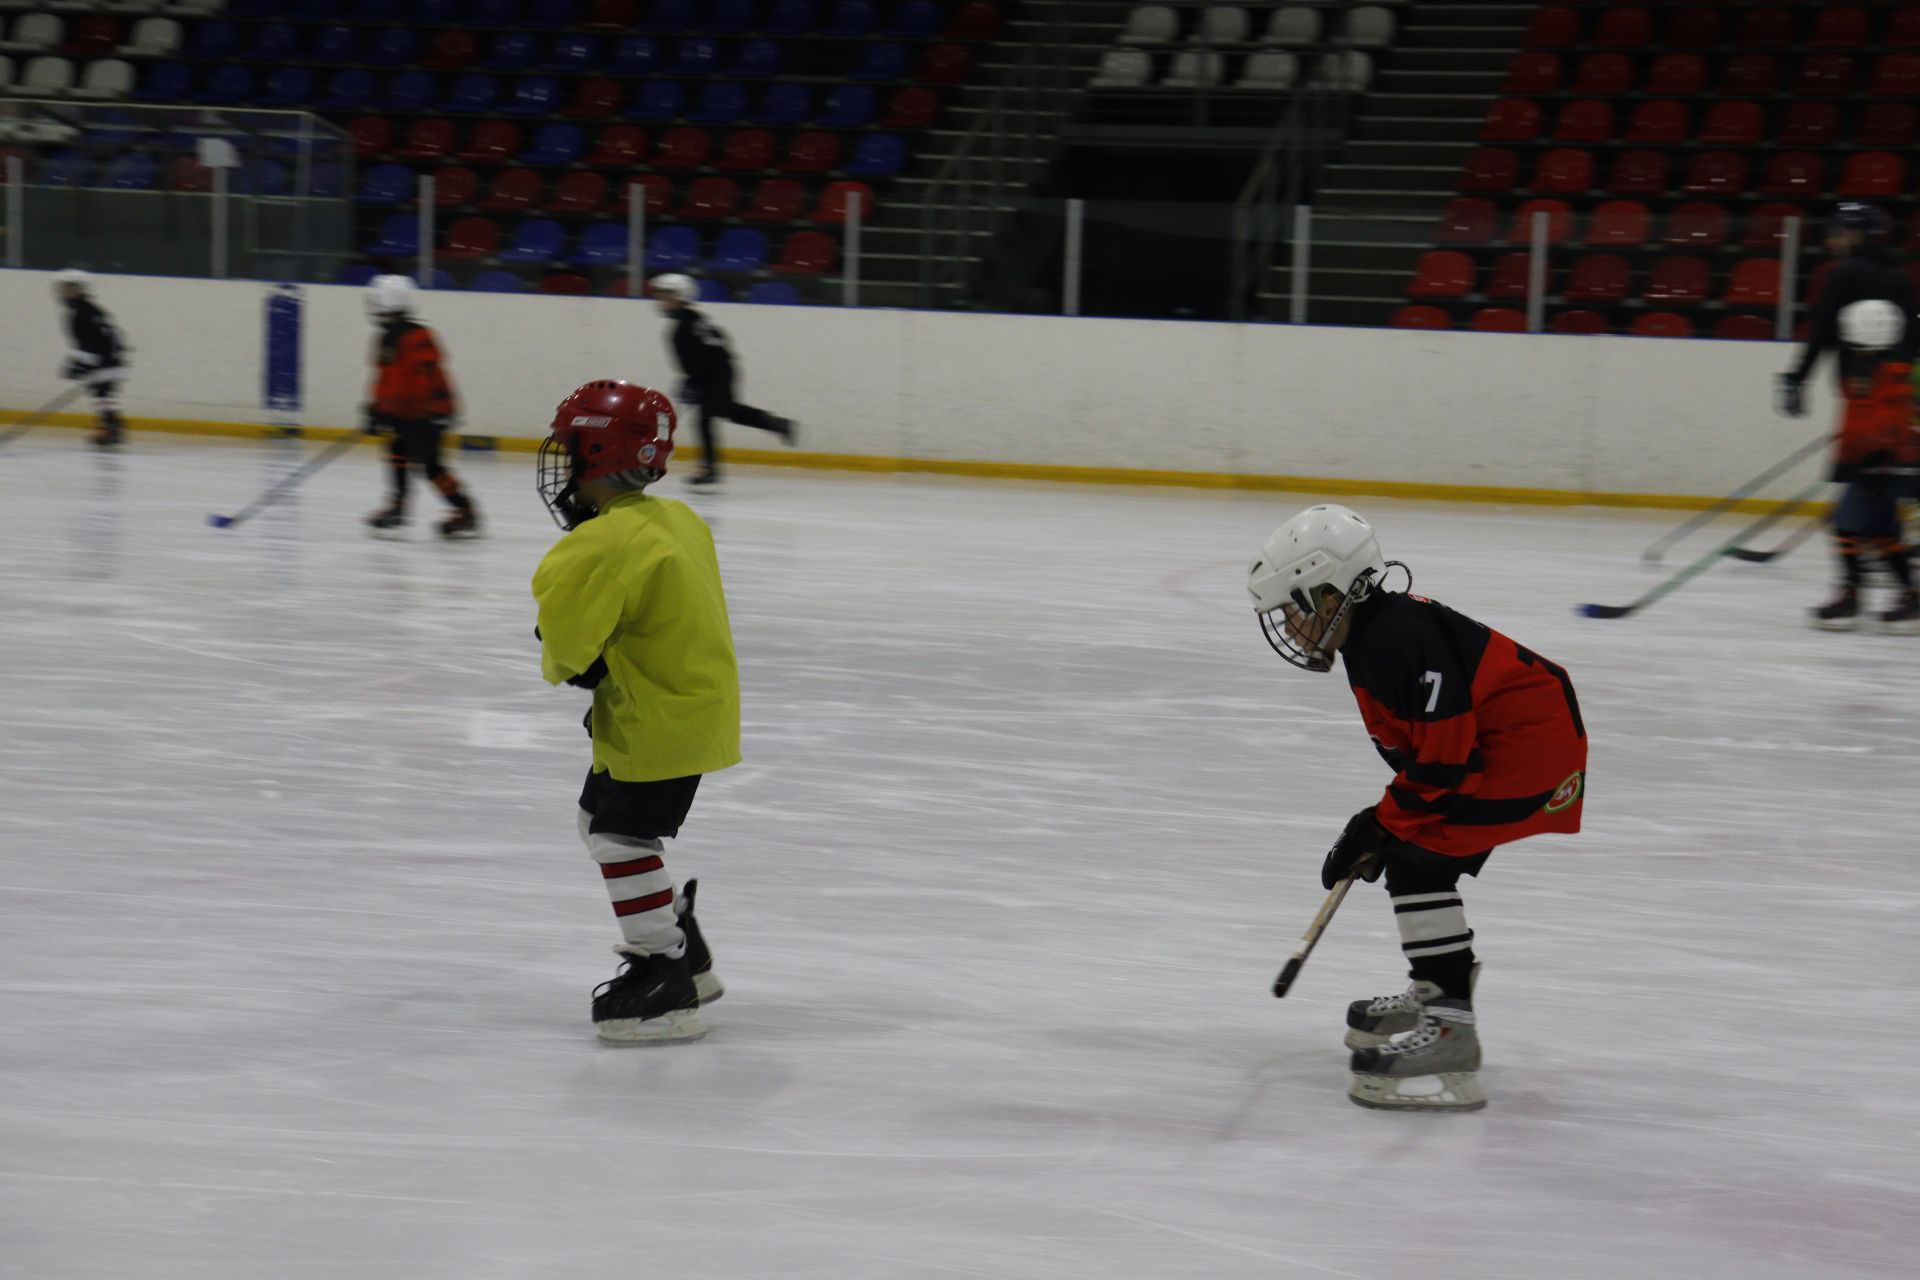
(1298, 631)
(558, 487)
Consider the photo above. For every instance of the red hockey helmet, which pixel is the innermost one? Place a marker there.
(604, 429)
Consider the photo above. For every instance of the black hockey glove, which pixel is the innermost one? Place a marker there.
(78, 367)
(1789, 397)
(373, 422)
(1363, 844)
(591, 677)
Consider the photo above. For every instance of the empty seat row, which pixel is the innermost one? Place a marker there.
(1651, 324)
(1701, 27)
(1591, 120)
(1267, 69)
(846, 19)
(1367, 26)
(850, 106)
(163, 171)
(1893, 75)
(586, 194)
(670, 248)
(770, 292)
(46, 33)
(875, 155)
(1697, 224)
(1643, 171)
(48, 76)
(1599, 277)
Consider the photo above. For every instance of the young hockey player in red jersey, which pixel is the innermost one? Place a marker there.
(97, 356)
(1487, 746)
(412, 403)
(631, 607)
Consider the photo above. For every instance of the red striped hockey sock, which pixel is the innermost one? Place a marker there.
(642, 893)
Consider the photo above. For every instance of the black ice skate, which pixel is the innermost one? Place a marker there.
(651, 1001)
(1434, 1067)
(1842, 613)
(109, 434)
(461, 524)
(1904, 617)
(706, 983)
(387, 523)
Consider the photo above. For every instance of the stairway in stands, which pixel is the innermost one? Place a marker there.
(1379, 198)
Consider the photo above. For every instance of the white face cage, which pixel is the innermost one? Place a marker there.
(1298, 631)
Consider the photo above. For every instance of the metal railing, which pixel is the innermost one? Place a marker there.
(1276, 200)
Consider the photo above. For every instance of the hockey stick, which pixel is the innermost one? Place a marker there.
(1799, 536)
(41, 414)
(287, 484)
(1295, 962)
(1705, 562)
(1653, 553)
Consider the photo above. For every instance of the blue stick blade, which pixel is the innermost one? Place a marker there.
(219, 522)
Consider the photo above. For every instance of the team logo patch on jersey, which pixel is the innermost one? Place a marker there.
(1565, 794)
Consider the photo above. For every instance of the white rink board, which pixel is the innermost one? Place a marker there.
(296, 938)
(1595, 415)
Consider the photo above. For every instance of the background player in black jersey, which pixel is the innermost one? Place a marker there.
(1487, 746)
(1865, 316)
(95, 356)
(705, 358)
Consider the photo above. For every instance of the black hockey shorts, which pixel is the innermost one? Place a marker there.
(643, 810)
(1869, 508)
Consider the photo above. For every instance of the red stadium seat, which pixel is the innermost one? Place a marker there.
(454, 186)
(1755, 282)
(1564, 170)
(976, 20)
(93, 34)
(1765, 29)
(1498, 320)
(1661, 324)
(1582, 322)
(1677, 75)
(1552, 27)
(596, 98)
(1623, 28)
(610, 15)
(1694, 28)
(471, 238)
(372, 136)
(1511, 120)
(451, 49)
(1886, 124)
(656, 194)
(812, 151)
(491, 142)
(619, 146)
(777, 200)
(1744, 328)
(682, 148)
(1490, 169)
(1750, 75)
(1697, 224)
(1733, 124)
(747, 150)
(568, 284)
(1903, 29)
(838, 197)
(580, 192)
(1715, 173)
(1619, 224)
(188, 174)
(1467, 221)
(1825, 75)
(1842, 28)
(807, 253)
(1896, 76)
(1767, 227)
(911, 107)
(1794, 173)
(1599, 277)
(1532, 73)
(1442, 273)
(1810, 124)
(1873, 173)
(1638, 173)
(428, 138)
(1559, 222)
(512, 190)
(944, 64)
(1511, 272)
(1585, 120)
(711, 198)
(1421, 317)
(1660, 122)
(1604, 73)
(1679, 278)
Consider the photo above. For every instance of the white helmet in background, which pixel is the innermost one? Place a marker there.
(389, 295)
(1873, 324)
(74, 276)
(1323, 552)
(675, 286)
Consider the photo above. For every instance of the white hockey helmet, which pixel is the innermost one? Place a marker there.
(389, 295)
(675, 285)
(74, 276)
(1872, 324)
(1324, 552)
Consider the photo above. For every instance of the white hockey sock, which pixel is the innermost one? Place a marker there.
(642, 893)
(1431, 924)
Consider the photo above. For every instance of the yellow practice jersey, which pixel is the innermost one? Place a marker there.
(639, 585)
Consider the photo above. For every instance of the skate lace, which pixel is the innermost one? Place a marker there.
(1404, 1002)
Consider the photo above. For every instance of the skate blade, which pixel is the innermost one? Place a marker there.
(682, 1026)
(397, 534)
(1901, 628)
(1836, 624)
(1447, 1091)
(707, 987)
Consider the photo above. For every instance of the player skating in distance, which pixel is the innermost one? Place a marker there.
(705, 357)
(413, 404)
(96, 356)
(1865, 316)
(631, 607)
(1487, 747)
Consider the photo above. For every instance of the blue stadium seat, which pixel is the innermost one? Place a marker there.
(253, 8)
(497, 282)
(604, 244)
(776, 293)
(326, 180)
(434, 13)
(879, 155)
(695, 56)
(399, 237)
(287, 87)
(392, 47)
(634, 55)
(914, 20)
(165, 82)
(668, 15)
(720, 103)
(555, 144)
(386, 184)
(729, 17)
(548, 13)
(672, 248)
(68, 168)
(473, 92)
(536, 240)
(372, 13)
(512, 51)
(739, 249)
(851, 18)
(785, 104)
(714, 291)
(573, 52)
(408, 91)
(658, 100)
(882, 60)
(356, 274)
(229, 84)
(265, 177)
(348, 88)
(848, 107)
(335, 44)
(134, 171)
(315, 10)
(533, 96)
(493, 13)
(272, 42)
(793, 17)
(214, 40)
(757, 58)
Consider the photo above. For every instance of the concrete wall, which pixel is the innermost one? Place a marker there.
(1579, 414)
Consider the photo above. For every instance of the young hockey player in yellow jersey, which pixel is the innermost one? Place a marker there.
(631, 607)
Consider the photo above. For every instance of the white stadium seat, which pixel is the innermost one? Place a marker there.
(1370, 27)
(1196, 68)
(6, 72)
(1270, 69)
(1222, 24)
(106, 78)
(1293, 26)
(33, 32)
(45, 77)
(1352, 71)
(1151, 24)
(152, 37)
(1122, 69)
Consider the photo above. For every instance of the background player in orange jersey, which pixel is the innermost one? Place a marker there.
(413, 403)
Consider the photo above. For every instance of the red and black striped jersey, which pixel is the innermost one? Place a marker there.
(1484, 736)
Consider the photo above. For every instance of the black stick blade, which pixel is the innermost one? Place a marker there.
(1282, 983)
(1751, 556)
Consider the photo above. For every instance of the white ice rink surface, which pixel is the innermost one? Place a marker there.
(296, 937)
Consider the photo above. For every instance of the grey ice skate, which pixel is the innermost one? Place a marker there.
(1434, 1067)
(1371, 1023)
